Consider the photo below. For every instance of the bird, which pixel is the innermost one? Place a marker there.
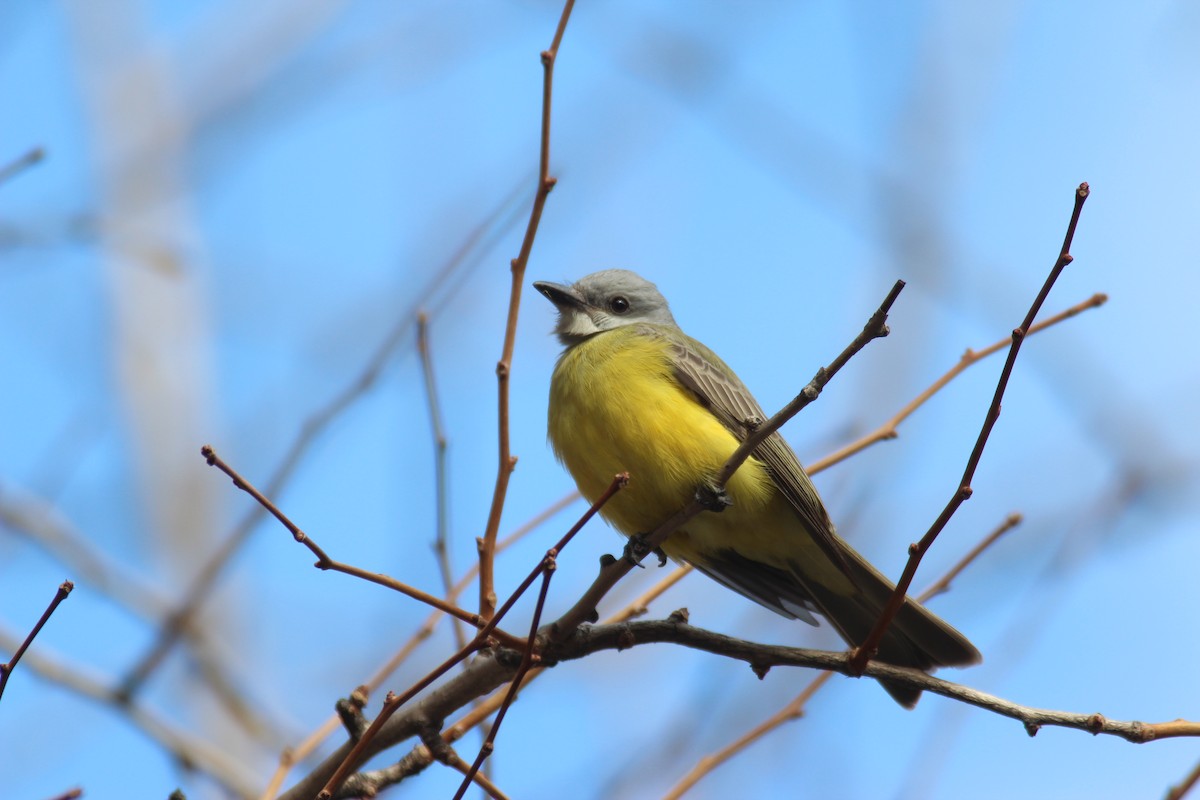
(631, 392)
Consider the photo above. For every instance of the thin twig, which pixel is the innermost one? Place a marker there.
(888, 430)
(1181, 789)
(482, 638)
(866, 649)
(324, 562)
(528, 659)
(706, 765)
(794, 709)
(291, 756)
(201, 756)
(370, 784)
(507, 462)
(64, 589)
(21, 163)
(942, 584)
(441, 551)
(634, 609)
(202, 584)
(613, 571)
(39, 521)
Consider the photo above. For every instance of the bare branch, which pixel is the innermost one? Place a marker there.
(187, 749)
(1181, 789)
(6, 670)
(484, 637)
(487, 544)
(528, 659)
(326, 563)
(867, 647)
(594, 638)
(794, 709)
(942, 584)
(439, 449)
(889, 429)
(308, 746)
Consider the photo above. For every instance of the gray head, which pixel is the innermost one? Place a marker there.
(603, 301)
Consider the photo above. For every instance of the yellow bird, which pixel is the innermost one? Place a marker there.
(633, 393)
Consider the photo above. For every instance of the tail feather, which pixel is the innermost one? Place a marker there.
(916, 638)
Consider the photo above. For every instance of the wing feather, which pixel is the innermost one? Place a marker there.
(717, 388)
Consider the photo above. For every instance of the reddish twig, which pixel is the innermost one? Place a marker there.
(482, 639)
(64, 589)
(326, 563)
(888, 430)
(487, 544)
(291, 756)
(866, 649)
(942, 584)
(613, 571)
(529, 658)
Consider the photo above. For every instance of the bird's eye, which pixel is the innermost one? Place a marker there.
(618, 305)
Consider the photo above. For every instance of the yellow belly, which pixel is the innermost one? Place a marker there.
(615, 406)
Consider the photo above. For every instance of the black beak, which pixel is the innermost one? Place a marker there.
(563, 297)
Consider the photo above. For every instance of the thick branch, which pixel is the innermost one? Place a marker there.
(591, 639)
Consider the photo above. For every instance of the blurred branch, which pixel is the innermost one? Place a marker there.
(888, 430)
(477, 715)
(866, 649)
(292, 756)
(487, 544)
(23, 162)
(43, 525)
(942, 584)
(188, 750)
(198, 591)
(484, 637)
(439, 450)
(6, 669)
(1181, 789)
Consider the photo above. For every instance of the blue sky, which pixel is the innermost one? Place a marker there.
(237, 206)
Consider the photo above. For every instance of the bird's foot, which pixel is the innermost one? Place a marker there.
(637, 549)
(713, 498)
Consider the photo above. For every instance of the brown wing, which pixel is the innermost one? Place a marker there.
(717, 388)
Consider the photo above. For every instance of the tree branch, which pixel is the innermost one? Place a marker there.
(6, 670)
(487, 544)
(866, 649)
(594, 638)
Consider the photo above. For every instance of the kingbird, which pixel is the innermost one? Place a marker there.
(633, 393)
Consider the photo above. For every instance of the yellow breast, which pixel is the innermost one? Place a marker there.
(615, 406)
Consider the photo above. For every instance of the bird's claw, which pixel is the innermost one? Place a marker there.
(636, 549)
(713, 498)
